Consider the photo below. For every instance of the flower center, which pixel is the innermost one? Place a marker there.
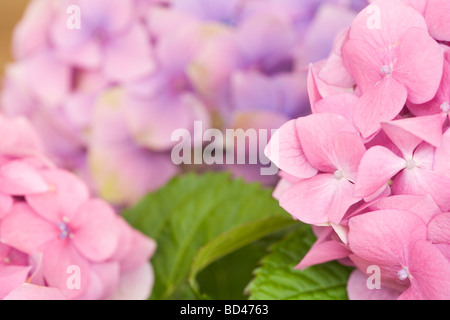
(338, 174)
(410, 164)
(386, 70)
(445, 107)
(64, 229)
(403, 274)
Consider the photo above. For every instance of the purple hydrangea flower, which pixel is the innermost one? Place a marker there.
(106, 82)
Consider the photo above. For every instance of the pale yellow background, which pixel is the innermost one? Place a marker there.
(10, 13)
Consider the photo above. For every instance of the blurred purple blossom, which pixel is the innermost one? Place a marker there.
(106, 97)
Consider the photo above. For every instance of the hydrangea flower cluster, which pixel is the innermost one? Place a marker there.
(107, 93)
(56, 242)
(370, 167)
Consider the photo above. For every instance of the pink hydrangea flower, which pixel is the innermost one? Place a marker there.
(396, 241)
(387, 64)
(373, 90)
(114, 90)
(329, 149)
(55, 240)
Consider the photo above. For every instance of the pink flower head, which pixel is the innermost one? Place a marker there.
(28, 291)
(55, 240)
(412, 169)
(392, 64)
(396, 242)
(440, 104)
(374, 90)
(323, 150)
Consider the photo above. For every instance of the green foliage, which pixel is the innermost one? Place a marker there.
(277, 279)
(204, 218)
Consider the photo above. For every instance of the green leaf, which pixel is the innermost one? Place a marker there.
(235, 239)
(189, 212)
(226, 278)
(277, 279)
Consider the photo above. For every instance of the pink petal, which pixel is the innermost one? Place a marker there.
(54, 86)
(62, 36)
(357, 289)
(439, 229)
(319, 199)
(11, 277)
(384, 191)
(36, 276)
(115, 160)
(387, 272)
(211, 64)
(152, 121)
(20, 178)
(280, 188)
(342, 104)
(349, 149)
(65, 195)
(409, 132)
(135, 284)
(316, 133)
(318, 88)
(419, 65)
(333, 71)
(285, 151)
(323, 252)
(141, 251)
(64, 268)
(6, 203)
(12, 256)
(116, 15)
(254, 34)
(25, 230)
(377, 167)
(423, 206)
(430, 270)
(95, 230)
(128, 56)
(28, 291)
(418, 181)
(424, 156)
(381, 103)
(88, 55)
(443, 95)
(104, 278)
(363, 61)
(384, 237)
(20, 137)
(313, 88)
(116, 180)
(442, 154)
(444, 248)
(396, 18)
(437, 19)
(419, 5)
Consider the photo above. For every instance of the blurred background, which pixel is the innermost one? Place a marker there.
(10, 13)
